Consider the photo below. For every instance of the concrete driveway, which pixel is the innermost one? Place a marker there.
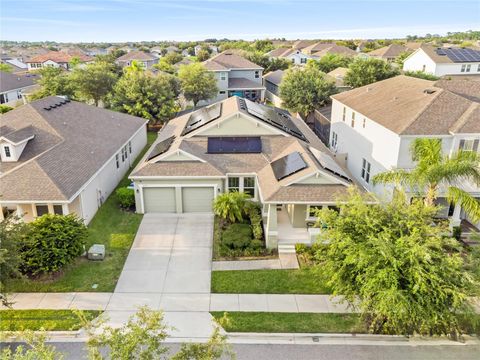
(169, 268)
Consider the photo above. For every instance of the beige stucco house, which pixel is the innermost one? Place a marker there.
(60, 157)
(238, 145)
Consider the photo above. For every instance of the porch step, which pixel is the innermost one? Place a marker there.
(286, 249)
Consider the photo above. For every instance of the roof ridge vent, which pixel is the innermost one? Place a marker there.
(429, 91)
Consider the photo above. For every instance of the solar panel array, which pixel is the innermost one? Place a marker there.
(288, 165)
(460, 55)
(329, 164)
(273, 116)
(202, 116)
(161, 147)
(234, 145)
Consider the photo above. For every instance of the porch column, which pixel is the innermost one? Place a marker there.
(19, 211)
(455, 219)
(271, 236)
(1, 213)
(65, 210)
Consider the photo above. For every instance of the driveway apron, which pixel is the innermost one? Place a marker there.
(168, 268)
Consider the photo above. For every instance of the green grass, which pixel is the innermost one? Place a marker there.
(303, 281)
(111, 226)
(50, 320)
(291, 322)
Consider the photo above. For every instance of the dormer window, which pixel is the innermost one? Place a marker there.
(7, 151)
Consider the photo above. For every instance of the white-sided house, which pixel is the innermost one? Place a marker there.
(60, 156)
(236, 76)
(56, 59)
(374, 125)
(444, 61)
(13, 86)
(146, 60)
(239, 145)
(296, 56)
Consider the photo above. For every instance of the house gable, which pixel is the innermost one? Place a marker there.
(317, 178)
(178, 155)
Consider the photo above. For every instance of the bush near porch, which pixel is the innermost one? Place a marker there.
(111, 226)
(238, 229)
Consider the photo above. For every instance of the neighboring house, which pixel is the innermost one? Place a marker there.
(111, 49)
(13, 86)
(55, 59)
(294, 55)
(319, 50)
(128, 48)
(147, 60)
(374, 126)
(61, 157)
(17, 66)
(338, 75)
(238, 145)
(96, 51)
(444, 61)
(272, 81)
(213, 48)
(171, 49)
(157, 51)
(301, 44)
(412, 46)
(236, 76)
(389, 53)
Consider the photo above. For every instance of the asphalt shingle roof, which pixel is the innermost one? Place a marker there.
(10, 82)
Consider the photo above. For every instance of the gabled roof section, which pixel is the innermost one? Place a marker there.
(229, 60)
(59, 57)
(136, 55)
(13, 82)
(392, 50)
(275, 77)
(19, 136)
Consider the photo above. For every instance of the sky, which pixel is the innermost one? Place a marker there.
(190, 20)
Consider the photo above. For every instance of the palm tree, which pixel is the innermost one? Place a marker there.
(434, 169)
(230, 206)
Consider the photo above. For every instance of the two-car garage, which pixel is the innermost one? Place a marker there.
(186, 199)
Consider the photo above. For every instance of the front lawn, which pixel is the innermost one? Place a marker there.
(271, 322)
(50, 320)
(303, 281)
(111, 226)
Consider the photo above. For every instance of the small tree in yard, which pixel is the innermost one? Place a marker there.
(303, 90)
(197, 83)
(126, 197)
(330, 62)
(230, 206)
(367, 71)
(52, 242)
(395, 265)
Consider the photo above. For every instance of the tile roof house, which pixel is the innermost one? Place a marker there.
(147, 60)
(239, 145)
(236, 76)
(444, 61)
(12, 87)
(389, 53)
(56, 59)
(60, 156)
(374, 126)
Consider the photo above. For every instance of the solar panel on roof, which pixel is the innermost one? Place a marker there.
(234, 145)
(161, 147)
(288, 165)
(329, 163)
(202, 116)
(275, 117)
(460, 55)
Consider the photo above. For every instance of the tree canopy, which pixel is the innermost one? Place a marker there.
(367, 71)
(330, 62)
(395, 265)
(53, 81)
(197, 83)
(303, 90)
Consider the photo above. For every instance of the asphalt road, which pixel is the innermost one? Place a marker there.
(76, 351)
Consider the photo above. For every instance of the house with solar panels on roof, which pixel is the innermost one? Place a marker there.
(444, 61)
(61, 157)
(239, 145)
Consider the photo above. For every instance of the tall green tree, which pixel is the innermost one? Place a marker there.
(141, 93)
(330, 62)
(53, 81)
(367, 71)
(5, 68)
(303, 90)
(94, 82)
(203, 55)
(401, 58)
(394, 265)
(197, 82)
(434, 169)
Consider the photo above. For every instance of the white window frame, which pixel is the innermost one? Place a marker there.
(366, 170)
(241, 184)
(7, 151)
(469, 144)
(257, 74)
(117, 160)
(334, 140)
(353, 119)
(344, 115)
(467, 69)
(464, 66)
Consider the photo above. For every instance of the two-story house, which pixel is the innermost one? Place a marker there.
(56, 59)
(444, 61)
(236, 76)
(272, 82)
(147, 60)
(239, 145)
(373, 126)
(296, 56)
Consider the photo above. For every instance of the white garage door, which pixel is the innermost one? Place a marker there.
(159, 200)
(197, 199)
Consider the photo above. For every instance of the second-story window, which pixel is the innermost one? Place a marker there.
(257, 74)
(344, 113)
(468, 68)
(223, 76)
(478, 68)
(353, 119)
(130, 147)
(249, 186)
(7, 151)
(366, 170)
(117, 160)
(334, 139)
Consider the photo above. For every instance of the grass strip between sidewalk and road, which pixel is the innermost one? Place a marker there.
(302, 281)
(111, 226)
(49, 320)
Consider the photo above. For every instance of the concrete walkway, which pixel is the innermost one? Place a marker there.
(284, 261)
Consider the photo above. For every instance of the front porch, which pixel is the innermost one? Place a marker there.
(30, 211)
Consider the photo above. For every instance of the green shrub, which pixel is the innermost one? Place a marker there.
(52, 242)
(230, 206)
(457, 232)
(237, 236)
(126, 197)
(5, 108)
(254, 213)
